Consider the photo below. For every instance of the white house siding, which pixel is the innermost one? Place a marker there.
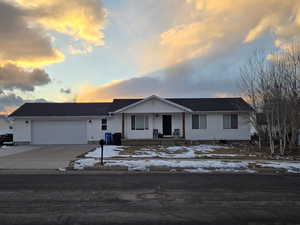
(154, 109)
(155, 122)
(138, 134)
(22, 131)
(94, 131)
(215, 129)
(153, 106)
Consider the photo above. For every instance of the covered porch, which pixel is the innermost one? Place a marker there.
(153, 118)
(168, 126)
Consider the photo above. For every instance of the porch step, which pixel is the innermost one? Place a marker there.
(168, 142)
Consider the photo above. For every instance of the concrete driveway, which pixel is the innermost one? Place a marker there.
(41, 157)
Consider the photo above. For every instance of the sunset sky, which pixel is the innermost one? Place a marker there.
(92, 50)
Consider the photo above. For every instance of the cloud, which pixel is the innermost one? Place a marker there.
(22, 44)
(9, 102)
(215, 31)
(13, 77)
(177, 81)
(65, 91)
(217, 27)
(81, 19)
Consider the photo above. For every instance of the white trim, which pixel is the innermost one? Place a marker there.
(153, 97)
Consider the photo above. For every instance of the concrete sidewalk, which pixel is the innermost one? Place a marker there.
(43, 157)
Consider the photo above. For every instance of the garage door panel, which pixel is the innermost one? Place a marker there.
(59, 132)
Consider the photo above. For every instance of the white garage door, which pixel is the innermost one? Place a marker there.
(58, 132)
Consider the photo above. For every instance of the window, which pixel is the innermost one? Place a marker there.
(203, 121)
(195, 121)
(104, 124)
(199, 121)
(230, 121)
(139, 123)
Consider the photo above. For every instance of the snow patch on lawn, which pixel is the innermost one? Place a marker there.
(207, 164)
(111, 151)
(6, 147)
(82, 163)
(192, 166)
(108, 151)
(292, 167)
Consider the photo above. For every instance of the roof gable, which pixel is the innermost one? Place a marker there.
(153, 104)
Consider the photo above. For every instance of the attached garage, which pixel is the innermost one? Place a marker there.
(58, 132)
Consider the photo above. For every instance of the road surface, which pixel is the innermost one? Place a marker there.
(149, 199)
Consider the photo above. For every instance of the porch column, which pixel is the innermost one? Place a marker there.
(183, 124)
(123, 125)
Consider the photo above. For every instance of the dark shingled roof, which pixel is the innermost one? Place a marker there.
(96, 109)
(62, 109)
(213, 104)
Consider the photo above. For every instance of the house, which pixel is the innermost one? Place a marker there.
(5, 125)
(135, 119)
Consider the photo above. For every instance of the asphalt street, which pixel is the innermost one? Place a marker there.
(149, 199)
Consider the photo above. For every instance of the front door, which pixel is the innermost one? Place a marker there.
(167, 125)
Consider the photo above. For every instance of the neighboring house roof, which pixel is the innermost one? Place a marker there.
(61, 109)
(96, 109)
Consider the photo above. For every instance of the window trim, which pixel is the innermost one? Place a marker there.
(203, 128)
(199, 127)
(230, 116)
(104, 124)
(145, 122)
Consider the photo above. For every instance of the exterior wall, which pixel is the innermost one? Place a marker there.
(153, 106)
(22, 131)
(94, 131)
(154, 109)
(138, 134)
(215, 129)
(155, 122)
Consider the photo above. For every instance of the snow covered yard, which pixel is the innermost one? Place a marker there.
(193, 166)
(191, 159)
(171, 152)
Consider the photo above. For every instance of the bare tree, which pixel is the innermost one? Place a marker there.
(272, 87)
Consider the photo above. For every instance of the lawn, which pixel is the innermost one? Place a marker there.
(191, 159)
(168, 152)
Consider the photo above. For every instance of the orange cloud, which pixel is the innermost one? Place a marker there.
(8, 110)
(91, 93)
(82, 20)
(218, 27)
(22, 44)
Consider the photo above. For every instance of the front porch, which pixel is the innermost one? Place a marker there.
(158, 128)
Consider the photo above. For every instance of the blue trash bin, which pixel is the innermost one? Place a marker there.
(108, 138)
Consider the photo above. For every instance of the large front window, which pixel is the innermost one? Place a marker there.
(139, 122)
